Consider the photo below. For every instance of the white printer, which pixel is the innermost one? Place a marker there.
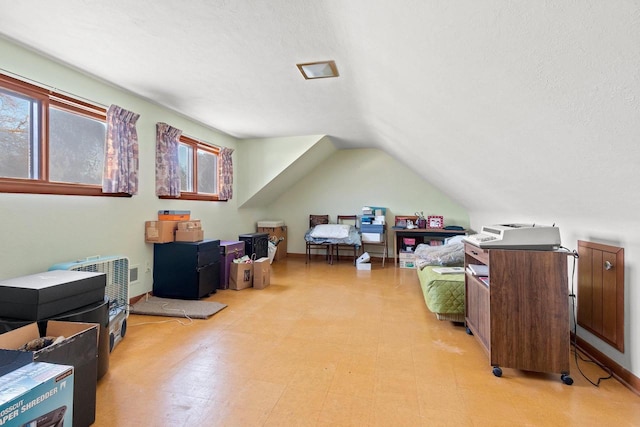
(516, 236)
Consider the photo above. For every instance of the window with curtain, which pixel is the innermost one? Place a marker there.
(54, 143)
(187, 168)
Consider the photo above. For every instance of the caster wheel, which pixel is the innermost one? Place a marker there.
(566, 379)
(123, 328)
(497, 371)
(112, 342)
(469, 332)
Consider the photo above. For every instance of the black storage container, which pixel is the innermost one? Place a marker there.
(93, 313)
(186, 270)
(40, 296)
(255, 243)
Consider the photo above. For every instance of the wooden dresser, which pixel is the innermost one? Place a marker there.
(521, 316)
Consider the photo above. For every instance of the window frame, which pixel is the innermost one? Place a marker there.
(49, 98)
(195, 146)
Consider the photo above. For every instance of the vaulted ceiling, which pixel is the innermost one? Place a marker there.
(522, 106)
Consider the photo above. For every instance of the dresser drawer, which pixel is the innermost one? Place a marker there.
(481, 255)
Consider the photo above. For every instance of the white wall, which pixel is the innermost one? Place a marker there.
(351, 179)
(38, 231)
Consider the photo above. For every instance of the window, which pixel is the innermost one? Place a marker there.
(198, 169)
(50, 143)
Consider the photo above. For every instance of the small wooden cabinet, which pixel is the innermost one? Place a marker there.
(521, 317)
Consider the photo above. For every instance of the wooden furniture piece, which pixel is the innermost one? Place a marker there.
(421, 235)
(383, 244)
(351, 220)
(313, 221)
(601, 292)
(521, 317)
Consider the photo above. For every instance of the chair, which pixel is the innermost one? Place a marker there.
(351, 220)
(313, 221)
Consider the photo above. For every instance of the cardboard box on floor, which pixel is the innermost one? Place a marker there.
(79, 349)
(23, 391)
(261, 273)
(240, 276)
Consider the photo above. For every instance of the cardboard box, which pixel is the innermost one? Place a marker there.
(159, 231)
(279, 233)
(365, 257)
(79, 349)
(240, 276)
(37, 394)
(270, 224)
(192, 235)
(407, 256)
(407, 263)
(261, 273)
(44, 295)
(189, 225)
(363, 266)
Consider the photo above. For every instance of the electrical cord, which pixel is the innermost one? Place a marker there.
(576, 351)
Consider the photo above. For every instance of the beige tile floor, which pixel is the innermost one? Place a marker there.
(326, 345)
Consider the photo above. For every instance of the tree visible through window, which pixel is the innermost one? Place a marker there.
(49, 143)
(16, 135)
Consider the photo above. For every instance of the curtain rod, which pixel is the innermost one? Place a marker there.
(201, 141)
(51, 88)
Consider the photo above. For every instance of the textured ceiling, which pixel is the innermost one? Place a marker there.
(522, 106)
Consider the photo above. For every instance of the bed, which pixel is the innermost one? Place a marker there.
(329, 235)
(443, 293)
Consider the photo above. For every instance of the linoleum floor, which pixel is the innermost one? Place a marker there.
(327, 345)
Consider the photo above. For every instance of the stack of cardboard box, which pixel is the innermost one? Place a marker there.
(173, 226)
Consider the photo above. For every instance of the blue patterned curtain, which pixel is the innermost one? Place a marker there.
(167, 162)
(226, 174)
(121, 152)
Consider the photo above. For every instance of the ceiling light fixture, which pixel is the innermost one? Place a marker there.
(318, 70)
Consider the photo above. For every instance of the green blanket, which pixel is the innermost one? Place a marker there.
(443, 293)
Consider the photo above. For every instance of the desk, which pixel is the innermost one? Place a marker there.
(420, 234)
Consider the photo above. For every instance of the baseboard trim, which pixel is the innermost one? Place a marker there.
(625, 377)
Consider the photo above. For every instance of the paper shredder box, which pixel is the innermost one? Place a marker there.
(37, 394)
(43, 295)
(79, 349)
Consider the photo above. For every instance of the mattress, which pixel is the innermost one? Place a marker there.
(443, 293)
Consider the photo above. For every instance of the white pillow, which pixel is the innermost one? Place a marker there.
(331, 231)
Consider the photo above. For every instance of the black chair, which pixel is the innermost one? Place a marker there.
(313, 221)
